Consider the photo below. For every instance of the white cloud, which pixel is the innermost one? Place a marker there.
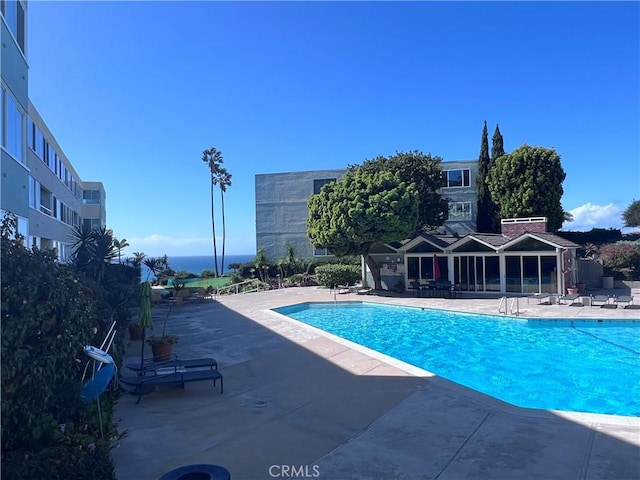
(588, 216)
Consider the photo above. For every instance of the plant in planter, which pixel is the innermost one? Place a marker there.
(135, 331)
(162, 346)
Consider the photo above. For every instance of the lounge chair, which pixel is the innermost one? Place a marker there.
(603, 300)
(540, 297)
(149, 366)
(177, 375)
(627, 299)
(364, 291)
(572, 299)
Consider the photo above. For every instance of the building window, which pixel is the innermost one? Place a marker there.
(2, 115)
(321, 252)
(92, 223)
(459, 210)
(14, 120)
(13, 13)
(318, 184)
(457, 178)
(91, 197)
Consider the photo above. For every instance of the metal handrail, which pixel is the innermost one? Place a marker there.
(515, 303)
(236, 287)
(503, 300)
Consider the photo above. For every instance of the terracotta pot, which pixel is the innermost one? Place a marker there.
(572, 291)
(161, 351)
(135, 332)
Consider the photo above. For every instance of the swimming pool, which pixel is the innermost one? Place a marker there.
(582, 366)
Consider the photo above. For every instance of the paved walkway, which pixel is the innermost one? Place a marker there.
(301, 403)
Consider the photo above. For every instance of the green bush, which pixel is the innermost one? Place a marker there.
(48, 315)
(337, 274)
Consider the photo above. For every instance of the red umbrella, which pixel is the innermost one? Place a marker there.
(436, 268)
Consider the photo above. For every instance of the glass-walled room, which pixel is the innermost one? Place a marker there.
(477, 273)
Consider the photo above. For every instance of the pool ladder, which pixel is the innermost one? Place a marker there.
(503, 306)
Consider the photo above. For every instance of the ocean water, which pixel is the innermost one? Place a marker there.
(196, 264)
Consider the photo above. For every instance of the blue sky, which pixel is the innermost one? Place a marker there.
(134, 92)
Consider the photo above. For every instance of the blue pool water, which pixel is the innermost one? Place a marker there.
(582, 366)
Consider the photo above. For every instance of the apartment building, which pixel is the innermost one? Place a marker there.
(38, 182)
(281, 206)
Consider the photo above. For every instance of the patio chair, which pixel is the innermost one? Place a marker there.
(627, 299)
(178, 375)
(149, 366)
(572, 299)
(602, 300)
(540, 297)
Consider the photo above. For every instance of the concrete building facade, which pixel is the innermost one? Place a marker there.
(282, 212)
(38, 182)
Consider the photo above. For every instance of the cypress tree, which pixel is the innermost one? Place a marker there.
(497, 147)
(484, 218)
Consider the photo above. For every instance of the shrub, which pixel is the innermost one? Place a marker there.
(337, 274)
(622, 256)
(48, 315)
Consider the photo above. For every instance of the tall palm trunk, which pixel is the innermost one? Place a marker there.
(224, 228)
(213, 227)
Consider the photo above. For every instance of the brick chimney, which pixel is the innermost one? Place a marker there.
(512, 227)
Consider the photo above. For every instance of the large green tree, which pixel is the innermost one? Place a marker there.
(486, 210)
(528, 182)
(425, 172)
(213, 158)
(362, 208)
(631, 216)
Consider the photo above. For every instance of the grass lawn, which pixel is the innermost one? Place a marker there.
(193, 283)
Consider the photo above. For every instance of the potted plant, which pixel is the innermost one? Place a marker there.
(135, 331)
(162, 346)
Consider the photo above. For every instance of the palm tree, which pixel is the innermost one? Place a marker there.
(213, 159)
(120, 245)
(224, 181)
(138, 257)
(153, 264)
(82, 246)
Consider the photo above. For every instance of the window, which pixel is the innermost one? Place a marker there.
(460, 211)
(40, 144)
(2, 114)
(92, 223)
(34, 193)
(318, 184)
(13, 13)
(321, 252)
(91, 197)
(14, 128)
(457, 178)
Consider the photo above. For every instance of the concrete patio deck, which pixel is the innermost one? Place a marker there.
(299, 403)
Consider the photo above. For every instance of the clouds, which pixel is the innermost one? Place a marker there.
(588, 216)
